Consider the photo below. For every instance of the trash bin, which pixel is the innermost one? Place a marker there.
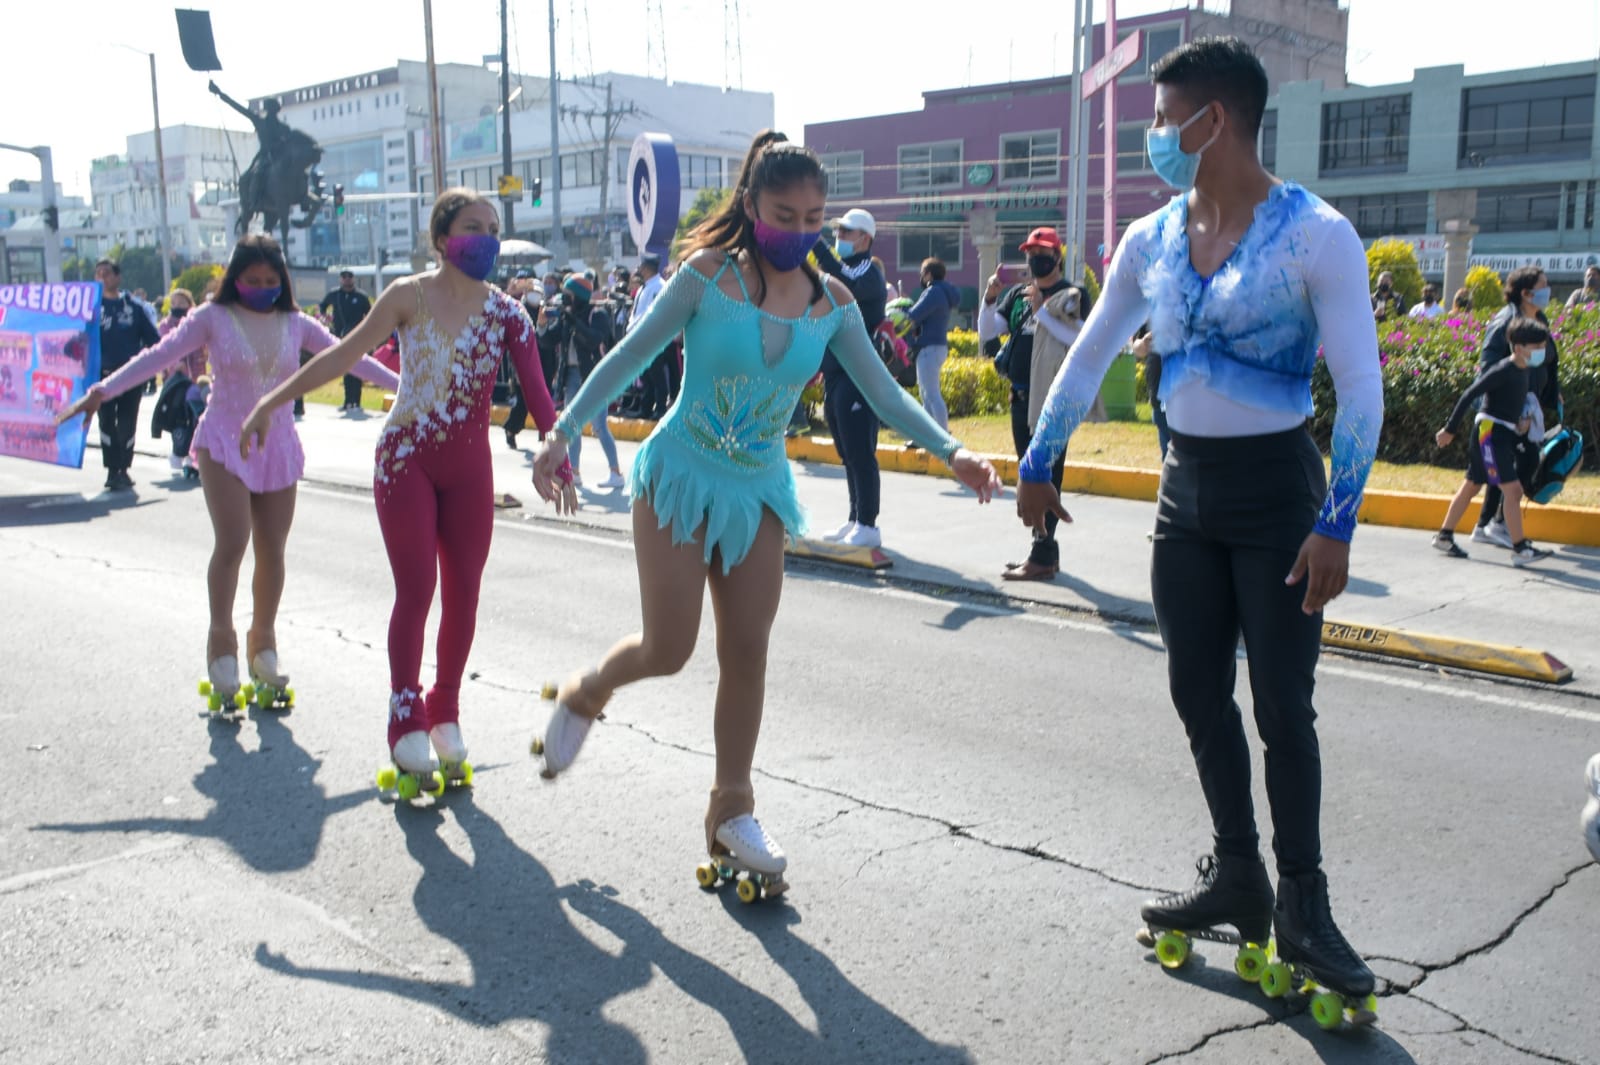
(1118, 389)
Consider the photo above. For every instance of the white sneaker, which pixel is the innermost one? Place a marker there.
(563, 739)
(175, 461)
(412, 753)
(1527, 554)
(863, 536)
(1495, 533)
(447, 742)
(749, 842)
(1591, 810)
(264, 669)
(614, 480)
(840, 533)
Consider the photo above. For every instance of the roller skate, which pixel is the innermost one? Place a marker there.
(221, 686)
(1229, 891)
(444, 712)
(1591, 810)
(269, 687)
(1312, 952)
(743, 846)
(412, 770)
(563, 736)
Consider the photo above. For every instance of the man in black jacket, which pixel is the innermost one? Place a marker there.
(125, 330)
(349, 305)
(851, 421)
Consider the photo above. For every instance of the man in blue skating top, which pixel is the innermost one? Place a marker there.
(1241, 276)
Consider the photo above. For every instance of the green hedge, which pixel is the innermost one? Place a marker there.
(1427, 365)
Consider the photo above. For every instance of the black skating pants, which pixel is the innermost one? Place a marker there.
(119, 421)
(1231, 518)
(855, 436)
(1045, 550)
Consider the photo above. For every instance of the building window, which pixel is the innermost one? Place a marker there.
(1588, 206)
(1519, 209)
(582, 169)
(1370, 136)
(1031, 156)
(1012, 236)
(1131, 156)
(919, 244)
(700, 171)
(1385, 214)
(1269, 138)
(930, 166)
(1502, 125)
(1158, 41)
(846, 174)
(623, 155)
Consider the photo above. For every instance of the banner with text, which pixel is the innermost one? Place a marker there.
(49, 355)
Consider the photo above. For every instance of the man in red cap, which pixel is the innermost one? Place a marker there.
(1016, 313)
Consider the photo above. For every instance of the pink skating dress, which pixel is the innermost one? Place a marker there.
(251, 354)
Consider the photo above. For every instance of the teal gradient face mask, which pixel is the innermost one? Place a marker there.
(1165, 148)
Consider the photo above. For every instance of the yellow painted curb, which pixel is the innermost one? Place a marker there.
(1519, 662)
(864, 557)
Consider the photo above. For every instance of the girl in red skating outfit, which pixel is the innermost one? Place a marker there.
(434, 485)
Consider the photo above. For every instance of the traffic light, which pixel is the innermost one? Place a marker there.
(338, 201)
(52, 218)
(319, 184)
(537, 191)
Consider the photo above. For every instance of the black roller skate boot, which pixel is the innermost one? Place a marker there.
(1311, 948)
(1229, 891)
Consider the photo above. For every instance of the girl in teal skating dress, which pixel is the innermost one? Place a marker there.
(712, 489)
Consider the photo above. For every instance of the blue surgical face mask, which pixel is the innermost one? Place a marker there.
(843, 248)
(1171, 163)
(1540, 297)
(1536, 356)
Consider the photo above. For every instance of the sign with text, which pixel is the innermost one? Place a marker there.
(49, 355)
(1120, 58)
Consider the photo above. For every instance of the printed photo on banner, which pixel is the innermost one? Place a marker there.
(49, 355)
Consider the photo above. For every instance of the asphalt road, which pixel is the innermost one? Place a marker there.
(974, 795)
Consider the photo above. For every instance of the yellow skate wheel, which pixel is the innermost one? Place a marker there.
(748, 891)
(205, 687)
(548, 692)
(705, 874)
(407, 787)
(288, 696)
(1366, 1012)
(1172, 949)
(1250, 963)
(387, 776)
(438, 784)
(536, 746)
(213, 702)
(239, 700)
(466, 774)
(249, 691)
(1275, 980)
(1327, 1009)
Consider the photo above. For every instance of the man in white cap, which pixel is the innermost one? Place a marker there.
(850, 419)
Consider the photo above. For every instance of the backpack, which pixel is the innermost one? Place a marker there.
(1559, 458)
(889, 338)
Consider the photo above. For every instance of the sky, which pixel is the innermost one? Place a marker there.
(86, 89)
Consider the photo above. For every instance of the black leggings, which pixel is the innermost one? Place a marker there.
(119, 423)
(1232, 515)
(1045, 550)
(855, 436)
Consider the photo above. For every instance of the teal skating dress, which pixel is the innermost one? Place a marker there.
(718, 459)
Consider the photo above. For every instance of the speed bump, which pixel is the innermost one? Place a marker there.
(844, 554)
(1498, 659)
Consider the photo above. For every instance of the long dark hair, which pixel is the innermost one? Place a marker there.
(252, 249)
(773, 163)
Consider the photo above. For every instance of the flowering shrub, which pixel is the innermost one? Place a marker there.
(1427, 365)
(1488, 291)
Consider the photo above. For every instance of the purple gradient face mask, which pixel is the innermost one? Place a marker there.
(472, 253)
(784, 248)
(258, 299)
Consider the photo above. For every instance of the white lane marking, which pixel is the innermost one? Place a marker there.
(1023, 613)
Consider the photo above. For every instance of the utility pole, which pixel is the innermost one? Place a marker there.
(1108, 237)
(505, 117)
(47, 204)
(1080, 138)
(161, 180)
(436, 126)
(611, 118)
(558, 238)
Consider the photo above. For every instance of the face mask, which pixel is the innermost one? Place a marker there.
(472, 253)
(1171, 163)
(1540, 297)
(258, 299)
(179, 312)
(843, 248)
(784, 248)
(1536, 356)
(1042, 265)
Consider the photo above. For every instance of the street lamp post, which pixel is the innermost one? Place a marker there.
(161, 174)
(47, 203)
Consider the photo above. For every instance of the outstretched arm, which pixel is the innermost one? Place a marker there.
(231, 102)
(853, 348)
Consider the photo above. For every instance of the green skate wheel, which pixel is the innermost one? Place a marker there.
(705, 875)
(205, 687)
(438, 784)
(407, 787)
(288, 696)
(1172, 950)
(1327, 1009)
(239, 700)
(1250, 963)
(387, 776)
(466, 774)
(748, 891)
(213, 702)
(249, 692)
(1275, 980)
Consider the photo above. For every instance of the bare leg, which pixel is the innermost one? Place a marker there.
(271, 514)
(672, 580)
(1512, 509)
(1458, 506)
(228, 503)
(745, 602)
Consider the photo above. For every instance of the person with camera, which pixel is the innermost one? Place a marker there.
(582, 332)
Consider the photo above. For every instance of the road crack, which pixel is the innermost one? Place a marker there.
(1173, 1055)
(1462, 1025)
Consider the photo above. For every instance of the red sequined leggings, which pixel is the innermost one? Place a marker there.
(437, 516)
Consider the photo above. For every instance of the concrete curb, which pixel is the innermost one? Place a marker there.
(1578, 526)
(1498, 659)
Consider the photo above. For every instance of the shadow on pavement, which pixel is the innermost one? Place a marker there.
(266, 804)
(529, 961)
(19, 512)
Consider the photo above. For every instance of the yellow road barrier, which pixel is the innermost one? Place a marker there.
(1499, 659)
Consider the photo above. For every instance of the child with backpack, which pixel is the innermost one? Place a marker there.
(1492, 454)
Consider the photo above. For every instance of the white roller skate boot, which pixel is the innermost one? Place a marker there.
(452, 752)
(221, 686)
(414, 770)
(748, 843)
(269, 685)
(563, 739)
(1591, 810)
